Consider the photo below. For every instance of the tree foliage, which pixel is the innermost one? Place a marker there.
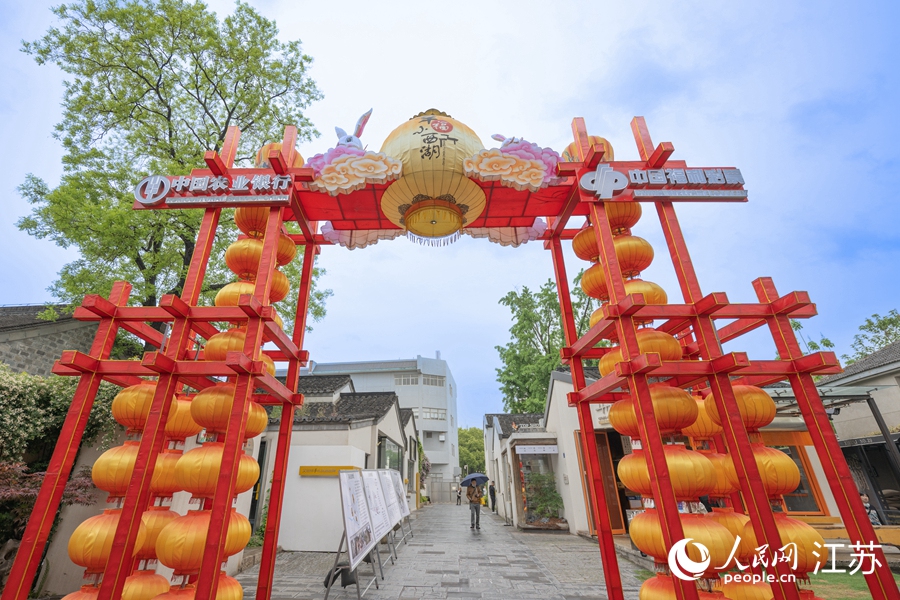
(536, 338)
(471, 448)
(151, 86)
(875, 333)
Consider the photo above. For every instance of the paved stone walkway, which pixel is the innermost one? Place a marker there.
(446, 559)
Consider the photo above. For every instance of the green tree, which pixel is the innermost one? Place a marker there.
(537, 336)
(810, 344)
(152, 85)
(876, 333)
(471, 449)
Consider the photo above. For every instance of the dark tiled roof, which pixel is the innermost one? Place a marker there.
(507, 420)
(589, 372)
(405, 415)
(350, 407)
(321, 385)
(880, 358)
(20, 317)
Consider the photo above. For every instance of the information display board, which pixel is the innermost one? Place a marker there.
(401, 493)
(357, 522)
(390, 496)
(381, 520)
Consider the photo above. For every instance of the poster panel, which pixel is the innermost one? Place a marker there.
(401, 493)
(390, 496)
(357, 523)
(381, 520)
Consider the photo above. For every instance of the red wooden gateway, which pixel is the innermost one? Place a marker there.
(433, 180)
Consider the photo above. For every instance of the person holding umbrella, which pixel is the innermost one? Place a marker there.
(474, 493)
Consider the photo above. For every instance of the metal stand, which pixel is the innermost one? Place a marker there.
(337, 557)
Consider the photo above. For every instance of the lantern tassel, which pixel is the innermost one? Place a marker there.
(433, 242)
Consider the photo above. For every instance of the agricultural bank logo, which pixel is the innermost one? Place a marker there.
(682, 566)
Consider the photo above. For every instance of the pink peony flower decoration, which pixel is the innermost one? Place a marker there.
(528, 151)
(320, 161)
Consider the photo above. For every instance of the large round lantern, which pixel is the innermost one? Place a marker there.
(433, 198)
(227, 589)
(257, 421)
(252, 220)
(242, 257)
(163, 483)
(634, 254)
(730, 520)
(113, 469)
(280, 286)
(662, 587)
(691, 473)
(674, 409)
(181, 543)
(144, 585)
(262, 156)
(211, 408)
(570, 154)
(726, 476)
(91, 541)
(756, 407)
(287, 250)
(231, 293)
(87, 592)
(197, 471)
(154, 520)
(219, 345)
(181, 424)
(646, 533)
(649, 340)
(131, 406)
(779, 473)
(703, 428)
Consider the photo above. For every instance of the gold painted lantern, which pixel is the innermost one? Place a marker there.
(433, 198)
(131, 406)
(703, 428)
(674, 409)
(197, 470)
(220, 344)
(181, 543)
(144, 585)
(756, 407)
(779, 473)
(646, 533)
(242, 257)
(691, 473)
(91, 542)
(649, 340)
(180, 424)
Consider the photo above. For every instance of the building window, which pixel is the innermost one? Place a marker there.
(416, 413)
(436, 380)
(390, 455)
(437, 414)
(406, 380)
(427, 435)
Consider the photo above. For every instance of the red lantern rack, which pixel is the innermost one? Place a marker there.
(705, 364)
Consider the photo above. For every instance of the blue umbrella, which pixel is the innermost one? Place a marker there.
(478, 478)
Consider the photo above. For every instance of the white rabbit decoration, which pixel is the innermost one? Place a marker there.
(353, 140)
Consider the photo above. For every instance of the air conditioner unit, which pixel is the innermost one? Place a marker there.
(442, 437)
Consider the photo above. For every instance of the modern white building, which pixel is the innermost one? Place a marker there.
(424, 385)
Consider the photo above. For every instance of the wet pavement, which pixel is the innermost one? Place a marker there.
(447, 559)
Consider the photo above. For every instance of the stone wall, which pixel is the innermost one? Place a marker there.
(35, 349)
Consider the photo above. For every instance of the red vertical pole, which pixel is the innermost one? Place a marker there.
(733, 431)
(34, 539)
(285, 430)
(859, 528)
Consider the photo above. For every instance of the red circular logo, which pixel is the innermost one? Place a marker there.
(441, 126)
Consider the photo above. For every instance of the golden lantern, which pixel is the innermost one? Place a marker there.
(756, 407)
(144, 585)
(287, 250)
(252, 220)
(211, 408)
(154, 519)
(739, 590)
(180, 424)
(231, 293)
(242, 257)
(730, 520)
(662, 587)
(87, 592)
(584, 244)
(674, 409)
(280, 286)
(649, 340)
(691, 473)
(176, 592)
(197, 470)
(646, 533)
(270, 364)
(633, 254)
(163, 482)
(593, 282)
(703, 428)
(726, 476)
(91, 541)
(780, 474)
(220, 344)
(257, 421)
(229, 588)
(112, 471)
(433, 197)
(181, 543)
(262, 156)
(653, 293)
(796, 535)
(131, 406)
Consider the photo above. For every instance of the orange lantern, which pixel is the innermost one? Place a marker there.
(280, 286)
(633, 253)
(649, 340)
(242, 257)
(593, 282)
(730, 520)
(91, 541)
(287, 250)
(229, 295)
(180, 424)
(220, 344)
(662, 587)
(726, 476)
(691, 473)
(257, 421)
(211, 408)
(646, 533)
(113, 469)
(154, 520)
(144, 585)
(228, 589)
(131, 406)
(780, 474)
(270, 364)
(703, 428)
(585, 244)
(87, 592)
(176, 592)
(163, 482)
(756, 407)
(674, 409)
(181, 543)
(738, 590)
(570, 154)
(652, 292)
(252, 220)
(198, 470)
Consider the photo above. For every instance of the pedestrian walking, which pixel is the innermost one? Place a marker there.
(474, 495)
(492, 493)
(458, 496)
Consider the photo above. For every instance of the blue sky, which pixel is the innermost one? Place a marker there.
(800, 96)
